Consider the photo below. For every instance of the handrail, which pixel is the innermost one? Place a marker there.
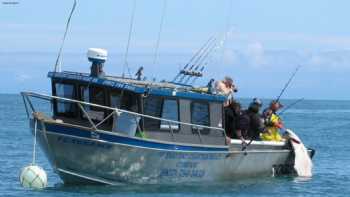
(44, 96)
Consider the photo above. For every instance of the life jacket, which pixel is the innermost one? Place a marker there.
(273, 131)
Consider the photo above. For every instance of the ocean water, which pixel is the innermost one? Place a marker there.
(322, 125)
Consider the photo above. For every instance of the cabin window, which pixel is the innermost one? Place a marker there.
(97, 96)
(161, 107)
(152, 107)
(94, 95)
(200, 114)
(115, 99)
(170, 111)
(66, 91)
(129, 101)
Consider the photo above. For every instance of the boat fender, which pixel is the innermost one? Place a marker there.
(34, 177)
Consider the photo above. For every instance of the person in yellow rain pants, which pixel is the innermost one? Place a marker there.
(273, 123)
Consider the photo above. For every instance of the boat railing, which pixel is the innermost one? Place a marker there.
(30, 110)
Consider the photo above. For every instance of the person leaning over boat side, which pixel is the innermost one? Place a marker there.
(273, 122)
(250, 124)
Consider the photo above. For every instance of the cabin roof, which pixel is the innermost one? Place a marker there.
(137, 86)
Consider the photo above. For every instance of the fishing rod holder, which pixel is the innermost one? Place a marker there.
(191, 73)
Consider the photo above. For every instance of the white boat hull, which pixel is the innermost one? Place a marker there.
(88, 157)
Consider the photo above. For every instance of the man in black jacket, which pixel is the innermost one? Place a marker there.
(232, 112)
(250, 123)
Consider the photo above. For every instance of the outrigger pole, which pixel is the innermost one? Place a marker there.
(288, 82)
(58, 60)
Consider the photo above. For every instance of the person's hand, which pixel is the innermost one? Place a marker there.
(228, 140)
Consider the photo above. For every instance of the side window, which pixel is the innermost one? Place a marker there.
(200, 114)
(66, 91)
(97, 96)
(115, 98)
(152, 107)
(93, 95)
(129, 101)
(170, 111)
(85, 95)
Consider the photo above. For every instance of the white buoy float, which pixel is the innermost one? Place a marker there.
(33, 176)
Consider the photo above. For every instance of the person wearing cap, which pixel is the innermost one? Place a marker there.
(225, 87)
(250, 124)
(273, 122)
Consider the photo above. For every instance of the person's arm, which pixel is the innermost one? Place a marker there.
(279, 125)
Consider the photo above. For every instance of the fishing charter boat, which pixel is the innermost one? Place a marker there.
(106, 129)
(97, 128)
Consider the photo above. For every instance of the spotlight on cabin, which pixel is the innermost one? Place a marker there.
(98, 57)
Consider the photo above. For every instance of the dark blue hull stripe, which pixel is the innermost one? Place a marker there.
(77, 132)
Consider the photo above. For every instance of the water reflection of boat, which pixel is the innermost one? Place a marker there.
(105, 129)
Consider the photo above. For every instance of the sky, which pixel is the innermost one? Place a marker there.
(265, 40)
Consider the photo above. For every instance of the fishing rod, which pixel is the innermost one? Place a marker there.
(205, 51)
(195, 62)
(198, 61)
(193, 57)
(205, 60)
(58, 60)
(288, 82)
(207, 54)
(200, 64)
(202, 49)
(291, 105)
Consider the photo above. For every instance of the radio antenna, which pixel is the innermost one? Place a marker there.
(160, 32)
(126, 65)
(58, 60)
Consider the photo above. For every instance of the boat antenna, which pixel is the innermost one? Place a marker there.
(160, 32)
(58, 60)
(288, 82)
(126, 65)
(291, 105)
